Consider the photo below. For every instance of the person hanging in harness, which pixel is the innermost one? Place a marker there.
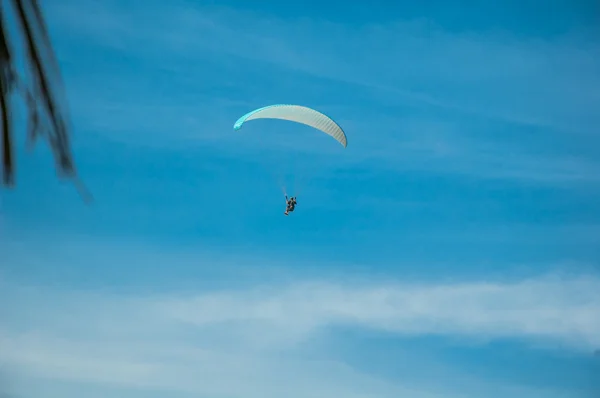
(290, 205)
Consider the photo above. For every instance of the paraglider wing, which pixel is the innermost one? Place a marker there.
(298, 114)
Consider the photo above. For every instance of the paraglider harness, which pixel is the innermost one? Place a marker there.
(290, 205)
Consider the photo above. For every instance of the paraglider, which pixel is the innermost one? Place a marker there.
(298, 114)
(290, 205)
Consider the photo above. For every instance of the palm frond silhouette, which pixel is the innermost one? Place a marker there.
(39, 85)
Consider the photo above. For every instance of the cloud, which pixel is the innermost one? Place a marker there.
(525, 80)
(566, 312)
(485, 104)
(270, 339)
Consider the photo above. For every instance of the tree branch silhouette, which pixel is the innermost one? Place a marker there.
(42, 89)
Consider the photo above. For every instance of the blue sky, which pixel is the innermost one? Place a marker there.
(450, 251)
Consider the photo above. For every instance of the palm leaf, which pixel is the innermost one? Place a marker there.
(43, 93)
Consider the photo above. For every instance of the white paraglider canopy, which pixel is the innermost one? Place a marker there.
(298, 114)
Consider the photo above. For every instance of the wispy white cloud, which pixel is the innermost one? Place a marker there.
(536, 81)
(511, 82)
(270, 339)
(564, 311)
